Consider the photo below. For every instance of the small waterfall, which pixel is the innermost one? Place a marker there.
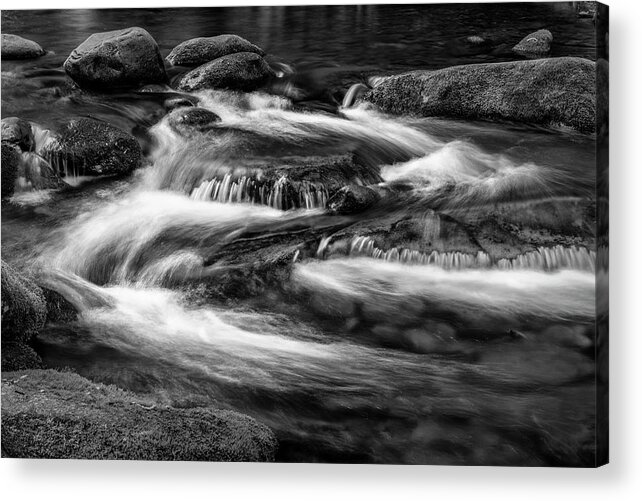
(281, 194)
(353, 93)
(544, 258)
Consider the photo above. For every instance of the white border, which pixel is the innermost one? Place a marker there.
(68, 480)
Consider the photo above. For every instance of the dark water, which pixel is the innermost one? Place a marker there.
(352, 349)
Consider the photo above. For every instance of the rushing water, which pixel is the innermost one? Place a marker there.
(203, 281)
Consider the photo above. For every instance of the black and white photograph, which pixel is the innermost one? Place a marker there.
(350, 234)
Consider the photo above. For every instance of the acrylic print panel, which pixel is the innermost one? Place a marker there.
(358, 234)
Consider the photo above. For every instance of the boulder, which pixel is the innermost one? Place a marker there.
(245, 71)
(51, 414)
(537, 43)
(178, 102)
(19, 356)
(15, 47)
(24, 309)
(197, 51)
(10, 167)
(90, 147)
(18, 132)
(126, 58)
(556, 91)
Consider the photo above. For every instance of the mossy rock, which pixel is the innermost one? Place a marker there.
(551, 92)
(90, 147)
(50, 414)
(18, 357)
(24, 309)
(10, 166)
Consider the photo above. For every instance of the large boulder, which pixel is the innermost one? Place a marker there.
(116, 59)
(535, 44)
(90, 147)
(240, 71)
(197, 51)
(50, 414)
(10, 166)
(24, 309)
(558, 91)
(15, 47)
(18, 132)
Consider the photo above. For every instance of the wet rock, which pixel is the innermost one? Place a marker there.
(178, 102)
(51, 414)
(35, 173)
(23, 306)
(15, 47)
(557, 91)
(126, 58)
(17, 132)
(197, 51)
(245, 71)
(352, 199)
(90, 147)
(535, 44)
(186, 119)
(10, 166)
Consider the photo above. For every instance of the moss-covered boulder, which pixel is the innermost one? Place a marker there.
(127, 58)
(24, 309)
(557, 91)
(18, 132)
(244, 71)
(10, 166)
(200, 50)
(535, 44)
(90, 147)
(19, 357)
(50, 414)
(15, 47)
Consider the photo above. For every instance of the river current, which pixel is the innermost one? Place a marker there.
(392, 336)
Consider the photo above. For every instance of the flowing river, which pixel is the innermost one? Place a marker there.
(413, 332)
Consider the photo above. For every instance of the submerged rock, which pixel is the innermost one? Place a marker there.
(178, 102)
(15, 47)
(90, 147)
(18, 132)
(352, 199)
(126, 58)
(240, 71)
(185, 119)
(51, 414)
(200, 50)
(535, 44)
(559, 91)
(24, 309)
(10, 167)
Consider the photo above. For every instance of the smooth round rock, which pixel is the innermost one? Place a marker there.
(126, 58)
(197, 51)
(245, 71)
(15, 47)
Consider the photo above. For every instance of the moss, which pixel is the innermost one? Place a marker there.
(58, 308)
(91, 147)
(23, 306)
(10, 164)
(556, 91)
(19, 356)
(50, 414)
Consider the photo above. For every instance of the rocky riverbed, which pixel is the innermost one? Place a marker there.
(374, 266)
